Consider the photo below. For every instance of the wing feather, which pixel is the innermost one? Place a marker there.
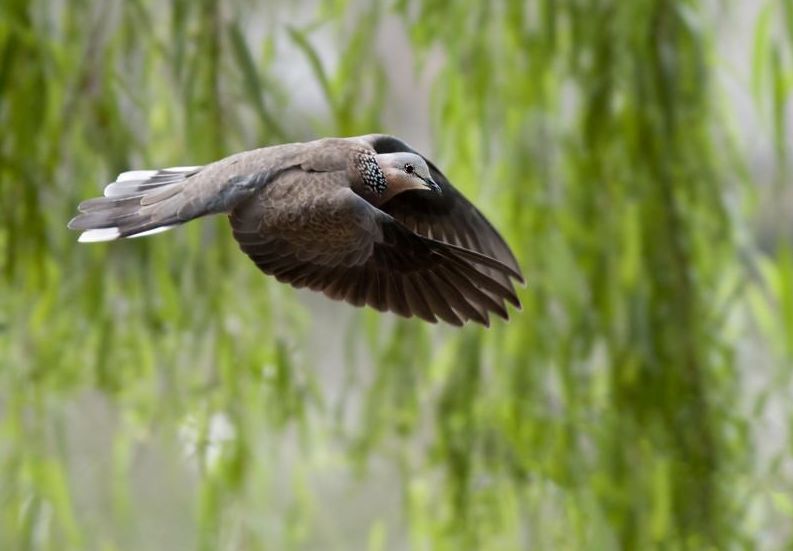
(361, 255)
(293, 212)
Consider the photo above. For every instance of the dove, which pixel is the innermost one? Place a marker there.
(367, 220)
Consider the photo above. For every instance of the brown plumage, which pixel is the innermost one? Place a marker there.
(367, 220)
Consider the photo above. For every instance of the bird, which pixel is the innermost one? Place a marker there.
(366, 219)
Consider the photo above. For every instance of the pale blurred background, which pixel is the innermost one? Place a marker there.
(163, 394)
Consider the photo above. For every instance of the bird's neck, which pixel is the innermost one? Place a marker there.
(367, 178)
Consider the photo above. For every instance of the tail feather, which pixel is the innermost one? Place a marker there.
(139, 202)
(140, 181)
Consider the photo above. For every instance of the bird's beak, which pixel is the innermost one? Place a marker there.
(432, 186)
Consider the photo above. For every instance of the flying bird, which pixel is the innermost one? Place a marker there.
(367, 220)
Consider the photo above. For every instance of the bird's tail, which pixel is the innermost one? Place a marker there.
(138, 203)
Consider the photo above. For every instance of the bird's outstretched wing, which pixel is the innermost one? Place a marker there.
(348, 249)
(447, 217)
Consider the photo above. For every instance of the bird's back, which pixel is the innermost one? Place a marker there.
(324, 155)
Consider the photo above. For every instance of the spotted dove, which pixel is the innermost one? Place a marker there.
(367, 220)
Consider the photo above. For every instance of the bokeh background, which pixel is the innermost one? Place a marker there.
(162, 394)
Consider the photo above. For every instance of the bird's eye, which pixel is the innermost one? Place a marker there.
(409, 168)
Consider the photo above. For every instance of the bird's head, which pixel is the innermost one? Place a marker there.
(405, 171)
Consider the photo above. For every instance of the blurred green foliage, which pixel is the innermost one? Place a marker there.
(161, 393)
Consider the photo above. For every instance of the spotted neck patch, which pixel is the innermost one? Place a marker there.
(372, 177)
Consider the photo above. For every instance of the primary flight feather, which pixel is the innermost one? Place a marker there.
(367, 220)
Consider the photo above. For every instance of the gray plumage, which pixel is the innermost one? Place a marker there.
(367, 220)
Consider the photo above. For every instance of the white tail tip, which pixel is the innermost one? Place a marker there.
(135, 175)
(151, 232)
(110, 234)
(96, 236)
